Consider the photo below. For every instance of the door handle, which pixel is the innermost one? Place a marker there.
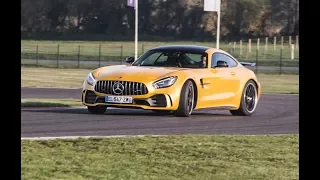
(233, 73)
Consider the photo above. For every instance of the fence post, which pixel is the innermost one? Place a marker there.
(258, 43)
(274, 43)
(257, 57)
(79, 56)
(37, 53)
(266, 48)
(58, 56)
(240, 48)
(234, 47)
(247, 51)
(142, 48)
(281, 42)
(281, 61)
(297, 42)
(121, 53)
(289, 41)
(99, 55)
(249, 45)
(292, 51)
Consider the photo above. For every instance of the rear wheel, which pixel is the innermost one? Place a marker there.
(97, 109)
(249, 100)
(186, 103)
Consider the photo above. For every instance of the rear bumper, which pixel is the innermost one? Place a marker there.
(152, 102)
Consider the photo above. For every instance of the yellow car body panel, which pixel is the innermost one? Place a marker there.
(219, 88)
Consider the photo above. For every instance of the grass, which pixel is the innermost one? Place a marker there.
(73, 78)
(116, 50)
(174, 157)
(271, 83)
(33, 102)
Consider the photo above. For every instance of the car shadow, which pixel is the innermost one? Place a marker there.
(123, 112)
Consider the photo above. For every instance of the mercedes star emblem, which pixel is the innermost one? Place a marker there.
(117, 88)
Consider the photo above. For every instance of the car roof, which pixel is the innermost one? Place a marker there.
(188, 48)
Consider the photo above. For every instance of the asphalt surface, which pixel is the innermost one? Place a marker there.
(275, 114)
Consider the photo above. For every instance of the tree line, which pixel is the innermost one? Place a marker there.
(177, 19)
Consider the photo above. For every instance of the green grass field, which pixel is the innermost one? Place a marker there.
(118, 50)
(73, 78)
(186, 157)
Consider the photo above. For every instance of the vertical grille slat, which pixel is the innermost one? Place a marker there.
(140, 89)
(110, 87)
(130, 88)
(126, 87)
(137, 89)
(133, 90)
(124, 91)
(107, 88)
(104, 87)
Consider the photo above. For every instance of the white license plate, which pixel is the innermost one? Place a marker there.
(118, 99)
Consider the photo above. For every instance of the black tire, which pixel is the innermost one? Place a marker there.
(249, 100)
(97, 109)
(186, 103)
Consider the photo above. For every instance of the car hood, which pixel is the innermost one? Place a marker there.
(134, 73)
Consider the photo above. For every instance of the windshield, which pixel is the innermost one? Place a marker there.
(172, 58)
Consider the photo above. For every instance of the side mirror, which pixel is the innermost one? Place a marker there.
(130, 59)
(222, 64)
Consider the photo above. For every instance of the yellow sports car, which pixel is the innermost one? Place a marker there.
(176, 78)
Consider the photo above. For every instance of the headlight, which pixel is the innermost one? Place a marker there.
(90, 79)
(166, 82)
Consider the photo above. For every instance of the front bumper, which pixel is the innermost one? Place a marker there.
(152, 101)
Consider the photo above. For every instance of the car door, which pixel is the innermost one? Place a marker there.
(211, 90)
(232, 79)
(233, 75)
(220, 83)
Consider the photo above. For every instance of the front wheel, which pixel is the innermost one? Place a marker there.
(97, 109)
(186, 103)
(249, 100)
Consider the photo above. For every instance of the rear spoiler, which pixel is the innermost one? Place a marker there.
(247, 64)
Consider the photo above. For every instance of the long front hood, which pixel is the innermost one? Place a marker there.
(134, 73)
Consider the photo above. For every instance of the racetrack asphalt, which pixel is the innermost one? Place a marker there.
(275, 114)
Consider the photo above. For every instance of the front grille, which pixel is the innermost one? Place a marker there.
(126, 88)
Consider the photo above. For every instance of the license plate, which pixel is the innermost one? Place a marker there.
(118, 99)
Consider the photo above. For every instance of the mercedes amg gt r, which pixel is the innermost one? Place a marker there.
(175, 79)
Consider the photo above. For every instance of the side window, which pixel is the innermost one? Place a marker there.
(222, 57)
(215, 58)
(231, 62)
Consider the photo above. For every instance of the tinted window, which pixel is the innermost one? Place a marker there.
(230, 61)
(222, 57)
(215, 58)
(171, 58)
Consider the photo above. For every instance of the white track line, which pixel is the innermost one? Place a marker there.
(124, 136)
